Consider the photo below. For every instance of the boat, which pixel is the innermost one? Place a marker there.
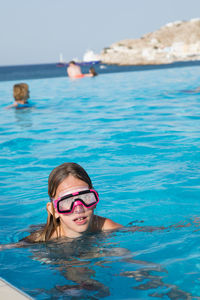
(89, 58)
(61, 62)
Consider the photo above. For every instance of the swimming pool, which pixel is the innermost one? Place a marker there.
(137, 135)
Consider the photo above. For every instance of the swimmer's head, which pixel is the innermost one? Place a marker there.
(21, 92)
(92, 71)
(64, 179)
(61, 181)
(72, 62)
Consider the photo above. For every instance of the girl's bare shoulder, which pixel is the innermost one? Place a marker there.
(103, 224)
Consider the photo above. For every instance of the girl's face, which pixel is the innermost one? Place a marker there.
(77, 222)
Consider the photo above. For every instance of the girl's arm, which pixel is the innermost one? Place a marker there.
(20, 244)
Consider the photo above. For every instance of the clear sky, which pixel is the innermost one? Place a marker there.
(36, 31)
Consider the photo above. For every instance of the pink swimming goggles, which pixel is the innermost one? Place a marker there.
(67, 203)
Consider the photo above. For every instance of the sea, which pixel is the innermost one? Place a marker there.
(37, 71)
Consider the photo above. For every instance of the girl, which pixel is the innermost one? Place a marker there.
(71, 207)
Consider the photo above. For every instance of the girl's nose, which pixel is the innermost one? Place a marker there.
(78, 207)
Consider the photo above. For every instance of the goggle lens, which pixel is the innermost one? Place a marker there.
(65, 204)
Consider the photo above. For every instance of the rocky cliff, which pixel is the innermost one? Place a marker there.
(178, 41)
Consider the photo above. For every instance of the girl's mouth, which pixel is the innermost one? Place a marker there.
(80, 220)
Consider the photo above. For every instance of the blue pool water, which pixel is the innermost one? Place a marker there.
(138, 136)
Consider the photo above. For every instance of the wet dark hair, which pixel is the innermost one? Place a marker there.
(63, 171)
(93, 72)
(72, 62)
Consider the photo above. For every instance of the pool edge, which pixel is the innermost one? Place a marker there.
(9, 291)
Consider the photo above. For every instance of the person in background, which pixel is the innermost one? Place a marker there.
(93, 72)
(74, 71)
(21, 95)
